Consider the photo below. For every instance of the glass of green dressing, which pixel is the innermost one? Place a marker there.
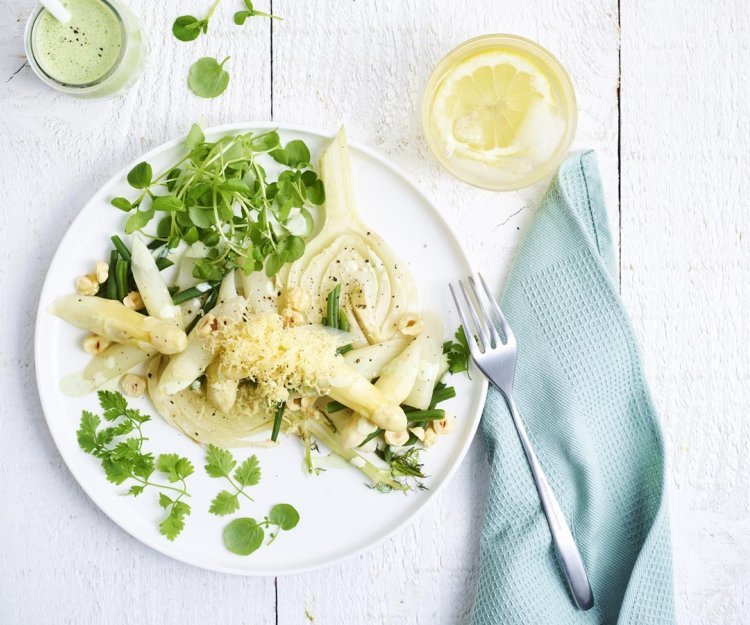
(98, 53)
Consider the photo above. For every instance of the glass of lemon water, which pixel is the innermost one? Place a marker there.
(499, 112)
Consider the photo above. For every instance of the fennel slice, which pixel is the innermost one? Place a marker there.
(376, 288)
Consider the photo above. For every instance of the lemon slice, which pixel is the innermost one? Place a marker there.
(482, 104)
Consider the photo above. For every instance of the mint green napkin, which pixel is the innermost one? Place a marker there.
(582, 394)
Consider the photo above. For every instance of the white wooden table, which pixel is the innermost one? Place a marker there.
(663, 94)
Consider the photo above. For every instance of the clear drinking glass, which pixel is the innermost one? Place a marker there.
(499, 112)
(125, 69)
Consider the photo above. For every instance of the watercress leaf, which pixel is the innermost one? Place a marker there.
(122, 203)
(167, 203)
(211, 238)
(195, 137)
(204, 270)
(248, 473)
(224, 503)
(171, 179)
(201, 217)
(187, 27)
(191, 235)
(243, 536)
(284, 515)
(208, 78)
(316, 192)
(298, 155)
(219, 462)
(274, 263)
(138, 220)
(235, 185)
(265, 143)
(164, 227)
(280, 156)
(249, 5)
(293, 246)
(241, 16)
(140, 176)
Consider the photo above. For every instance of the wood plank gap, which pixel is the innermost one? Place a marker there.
(276, 579)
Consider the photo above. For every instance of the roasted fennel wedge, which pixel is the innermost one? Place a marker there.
(376, 288)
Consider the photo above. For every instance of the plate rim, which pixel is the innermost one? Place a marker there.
(45, 398)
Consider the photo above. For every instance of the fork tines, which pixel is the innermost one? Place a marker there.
(485, 315)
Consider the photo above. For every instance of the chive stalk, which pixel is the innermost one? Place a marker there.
(277, 422)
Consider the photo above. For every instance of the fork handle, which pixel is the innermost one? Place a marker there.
(565, 545)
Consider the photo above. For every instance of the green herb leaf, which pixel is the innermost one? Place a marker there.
(167, 203)
(284, 515)
(248, 473)
(140, 176)
(195, 137)
(122, 203)
(219, 462)
(187, 27)
(174, 523)
(207, 77)
(457, 352)
(241, 16)
(138, 220)
(224, 503)
(297, 153)
(174, 467)
(274, 263)
(243, 536)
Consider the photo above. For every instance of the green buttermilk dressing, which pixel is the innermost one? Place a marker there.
(81, 51)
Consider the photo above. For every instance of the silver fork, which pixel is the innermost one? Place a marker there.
(497, 360)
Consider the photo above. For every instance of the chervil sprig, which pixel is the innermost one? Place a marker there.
(119, 446)
(220, 463)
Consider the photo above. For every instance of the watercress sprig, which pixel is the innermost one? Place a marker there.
(220, 194)
(245, 535)
(119, 446)
(241, 16)
(189, 27)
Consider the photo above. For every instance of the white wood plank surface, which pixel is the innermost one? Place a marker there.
(683, 120)
(685, 222)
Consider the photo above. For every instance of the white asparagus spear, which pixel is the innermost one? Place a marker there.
(151, 285)
(395, 381)
(112, 320)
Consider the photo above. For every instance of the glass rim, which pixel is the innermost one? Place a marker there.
(51, 80)
(558, 71)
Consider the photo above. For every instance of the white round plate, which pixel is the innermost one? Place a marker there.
(339, 515)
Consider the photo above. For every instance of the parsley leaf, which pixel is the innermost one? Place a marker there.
(458, 353)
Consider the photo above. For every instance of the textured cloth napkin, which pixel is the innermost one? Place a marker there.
(582, 394)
